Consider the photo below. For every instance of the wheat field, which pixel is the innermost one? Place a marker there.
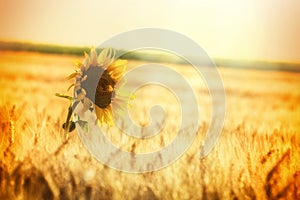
(257, 156)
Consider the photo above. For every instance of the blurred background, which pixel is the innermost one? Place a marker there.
(256, 47)
(225, 29)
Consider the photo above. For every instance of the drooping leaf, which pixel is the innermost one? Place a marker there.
(71, 126)
(84, 125)
(64, 96)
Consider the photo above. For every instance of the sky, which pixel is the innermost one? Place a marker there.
(243, 29)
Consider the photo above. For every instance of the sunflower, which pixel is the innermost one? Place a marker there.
(98, 85)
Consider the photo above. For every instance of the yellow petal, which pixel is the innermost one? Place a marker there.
(93, 57)
(77, 63)
(87, 61)
(73, 75)
(104, 115)
(118, 63)
(117, 69)
(99, 113)
(110, 120)
(106, 57)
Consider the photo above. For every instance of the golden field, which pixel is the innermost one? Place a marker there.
(257, 156)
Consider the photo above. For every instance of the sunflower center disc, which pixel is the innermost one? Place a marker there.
(102, 88)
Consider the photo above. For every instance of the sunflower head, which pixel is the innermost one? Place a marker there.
(95, 84)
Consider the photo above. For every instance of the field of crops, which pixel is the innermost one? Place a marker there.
(257, 156)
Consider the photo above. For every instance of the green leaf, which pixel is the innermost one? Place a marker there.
(76, 117)
(71, 126)
(84, 125)
(64, 96)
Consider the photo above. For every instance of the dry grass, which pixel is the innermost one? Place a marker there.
(256, 158)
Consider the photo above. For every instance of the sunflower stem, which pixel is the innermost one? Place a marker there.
(68, 122)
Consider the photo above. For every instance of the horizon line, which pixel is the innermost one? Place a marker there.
(12, 42)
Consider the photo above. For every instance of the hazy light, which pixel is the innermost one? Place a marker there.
(237, 29)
